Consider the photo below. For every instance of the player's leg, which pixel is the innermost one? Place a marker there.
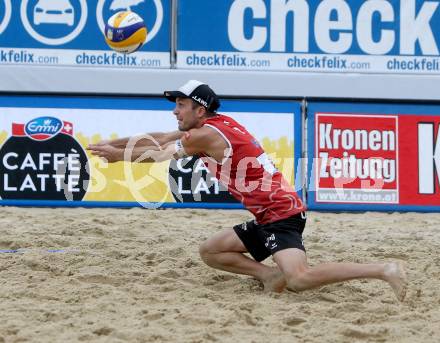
(300, 276)
(225, 251)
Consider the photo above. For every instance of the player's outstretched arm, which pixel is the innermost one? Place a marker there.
(107, 152)
(144, 140)
(192, 143)
(134, 153)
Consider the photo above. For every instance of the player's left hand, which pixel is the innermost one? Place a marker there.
(107, 152)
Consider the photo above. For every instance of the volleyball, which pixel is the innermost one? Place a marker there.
(125, 32)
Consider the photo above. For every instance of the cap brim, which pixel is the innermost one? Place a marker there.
(173, 95)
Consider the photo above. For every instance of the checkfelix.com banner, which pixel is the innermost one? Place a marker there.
(381, 157)
(43, 156)
(71, 33)
(315, 35)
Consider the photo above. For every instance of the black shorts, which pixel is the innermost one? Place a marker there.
(261, 241)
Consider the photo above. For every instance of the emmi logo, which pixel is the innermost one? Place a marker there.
(43, 128)
(429, 157)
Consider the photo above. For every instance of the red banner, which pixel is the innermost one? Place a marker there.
(419, 162)
(377, 159)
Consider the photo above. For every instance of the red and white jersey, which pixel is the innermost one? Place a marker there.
(250, 175)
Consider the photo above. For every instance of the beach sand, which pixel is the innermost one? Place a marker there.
(134, 275)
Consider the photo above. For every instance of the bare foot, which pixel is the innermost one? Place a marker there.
(395, 275)
(274, 281)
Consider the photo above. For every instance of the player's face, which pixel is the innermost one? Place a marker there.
(187, 114)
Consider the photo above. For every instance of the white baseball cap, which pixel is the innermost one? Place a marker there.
(199, 92)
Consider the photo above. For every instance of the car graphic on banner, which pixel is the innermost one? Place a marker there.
(71, 33)
(5, 14)
(54, 12)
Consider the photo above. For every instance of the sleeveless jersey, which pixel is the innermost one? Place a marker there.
(250, 175)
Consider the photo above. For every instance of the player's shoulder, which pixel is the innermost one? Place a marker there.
(204, 137)
(200, 133)
(198, 136)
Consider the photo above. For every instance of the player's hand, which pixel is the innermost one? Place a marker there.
(104, 142)
(106, 152)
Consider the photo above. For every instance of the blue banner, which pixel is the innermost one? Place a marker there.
(315, 35)
(70, 32)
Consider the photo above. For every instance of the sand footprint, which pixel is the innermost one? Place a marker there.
(294, 321)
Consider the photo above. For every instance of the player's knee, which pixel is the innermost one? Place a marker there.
(205, 252)
(298, 281)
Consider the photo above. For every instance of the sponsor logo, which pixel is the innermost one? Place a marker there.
(428, 157)
(43, 128)
(357, 158)
(400, 27)
(42, 160)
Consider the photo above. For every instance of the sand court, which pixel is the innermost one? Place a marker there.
(134, 275)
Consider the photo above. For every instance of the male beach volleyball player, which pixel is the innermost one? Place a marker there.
(238, 161)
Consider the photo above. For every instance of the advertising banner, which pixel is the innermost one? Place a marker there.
(71, 33)
(342, 36)
(44, 161)
(374, 157)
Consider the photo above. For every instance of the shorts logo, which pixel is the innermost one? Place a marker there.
(200, 100)
(244, 226)
(270, 242)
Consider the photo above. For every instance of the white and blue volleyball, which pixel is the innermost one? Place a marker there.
(125, 32)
